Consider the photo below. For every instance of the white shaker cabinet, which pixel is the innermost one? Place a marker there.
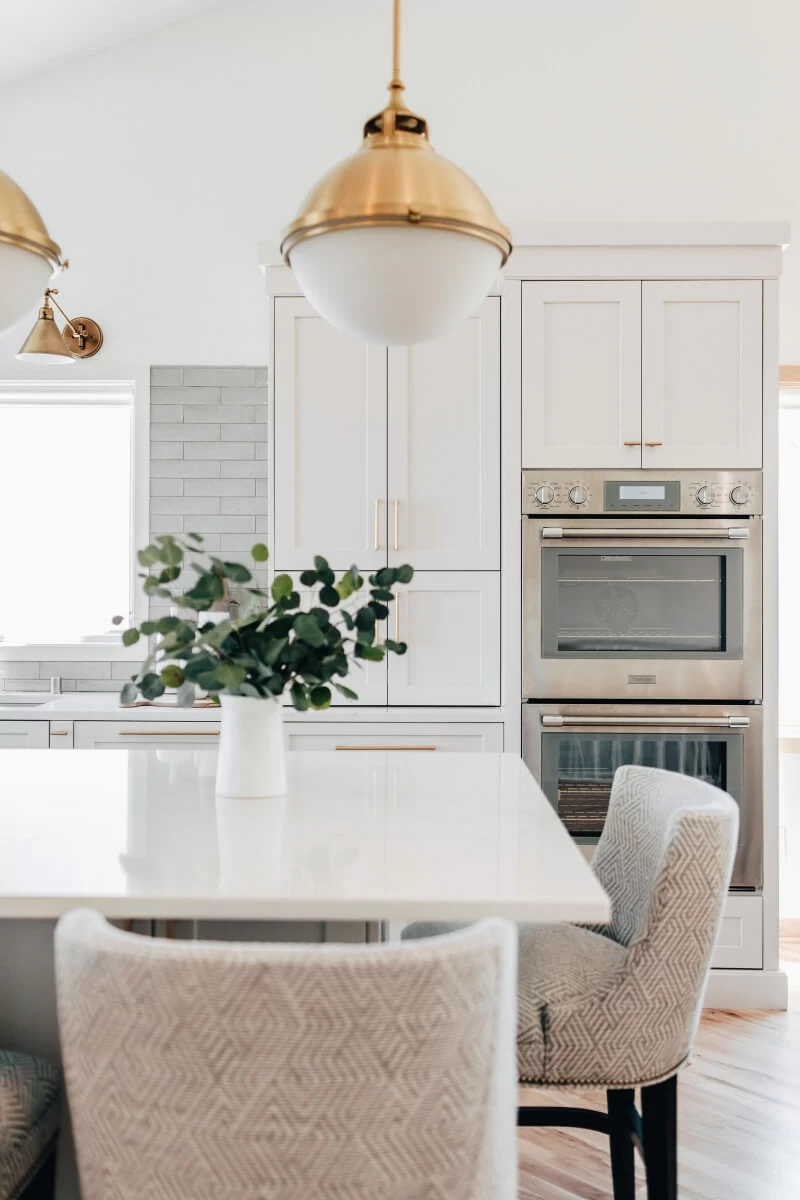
(581, 374)
(144, 735)
(330, 440)
(451, 623)
(701, 373)
(444, 448)
(427, 738)
(24, 735)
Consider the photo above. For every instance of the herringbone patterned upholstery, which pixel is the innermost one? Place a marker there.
(30, 1094)
(620, 1007)
(217, 1071)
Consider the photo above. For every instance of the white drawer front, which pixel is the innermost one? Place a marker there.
(24, 735)
(740, 943)
(115, 735)
(380, 736)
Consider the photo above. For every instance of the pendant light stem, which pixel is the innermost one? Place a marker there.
(396, 86)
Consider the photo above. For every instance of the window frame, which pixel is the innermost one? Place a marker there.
(96, 376)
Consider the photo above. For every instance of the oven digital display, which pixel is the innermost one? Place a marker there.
(653, 491)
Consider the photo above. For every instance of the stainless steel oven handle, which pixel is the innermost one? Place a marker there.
(733, 533)
(631, 722)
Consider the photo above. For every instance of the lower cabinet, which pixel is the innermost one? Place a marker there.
(302, 735)
(24, 735)
(740, 943)
(115, 735)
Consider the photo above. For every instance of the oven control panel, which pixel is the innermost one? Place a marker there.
(641, 493)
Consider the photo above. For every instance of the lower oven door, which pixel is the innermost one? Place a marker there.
(573, 751)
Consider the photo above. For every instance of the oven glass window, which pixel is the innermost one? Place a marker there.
(621, 601)
(578, 768)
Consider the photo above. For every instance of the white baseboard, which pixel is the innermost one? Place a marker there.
(747, 990)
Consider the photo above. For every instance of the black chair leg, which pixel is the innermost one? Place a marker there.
(660, 1130)
(620, 1104)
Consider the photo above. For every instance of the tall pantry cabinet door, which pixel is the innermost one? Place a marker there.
(451, 623)
(581, 374)
(330, 439)
(701, 373)
(444, 448)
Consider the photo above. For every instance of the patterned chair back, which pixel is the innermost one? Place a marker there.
(205, 1069)
(665, 858)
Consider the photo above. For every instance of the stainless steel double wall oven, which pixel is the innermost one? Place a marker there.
(642, 637)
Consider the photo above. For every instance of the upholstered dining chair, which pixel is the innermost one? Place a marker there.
(30, 1113)
(223, 1071)
(617, 1007)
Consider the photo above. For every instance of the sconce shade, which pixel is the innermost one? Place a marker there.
(28, 257)
(44, 343)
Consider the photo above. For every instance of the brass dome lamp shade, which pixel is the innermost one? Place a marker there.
(28, 256)
(81, 338)
(396, 244)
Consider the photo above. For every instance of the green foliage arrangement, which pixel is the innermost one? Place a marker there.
(270, 645)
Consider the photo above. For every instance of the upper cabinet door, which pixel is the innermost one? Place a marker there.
(581, 374)
(444, 448)
(701, 373)
(330, 438)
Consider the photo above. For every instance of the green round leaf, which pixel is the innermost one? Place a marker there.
(260, 552)
(320, 697)
(130, 637)
(116, 620)
(128, 694)
(329, 596)
(172, 676)
(405, 573)
(282, 587)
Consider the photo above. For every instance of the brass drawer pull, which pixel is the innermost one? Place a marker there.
(386, 747)
(168, 733)
(654, 443)
(631, 443)
(59, 733)
(397, 524)
(377, 538)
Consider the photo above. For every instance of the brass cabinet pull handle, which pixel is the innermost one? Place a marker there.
(654, 443)
(631, 443)
(168, 733)
(397, 618)
(386, 747)
(376, 541)
(59, 733)
(396, 524)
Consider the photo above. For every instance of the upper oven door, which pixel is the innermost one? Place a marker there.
(642, 609)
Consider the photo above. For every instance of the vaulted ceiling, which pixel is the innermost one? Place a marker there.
(34, 34)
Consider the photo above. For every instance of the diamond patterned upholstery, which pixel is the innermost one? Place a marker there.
(30, 1094)
(222, 1071)
(618, 1007)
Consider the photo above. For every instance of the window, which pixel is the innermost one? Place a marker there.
(66, 512)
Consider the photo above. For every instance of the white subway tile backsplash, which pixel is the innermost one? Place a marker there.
(75, 670)
(26, 684)
(237, 450)
(220, 487)
(166, 487)
(254, 431)
(162, 450)
(243, 504)
(166, 376)
(262, 487)
(19, 670)
(244, 470)
(185, 432)
(181, 395)
(224, 524)
(192, 376)
(166, 524)
(237, 547)
(196, 469)
(184, 505)
(224, 412)
(244, 395)
(165, 412)
(97, 685)
(124, 670)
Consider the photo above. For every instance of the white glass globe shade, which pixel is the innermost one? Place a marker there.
(23, 278)
(395, 284)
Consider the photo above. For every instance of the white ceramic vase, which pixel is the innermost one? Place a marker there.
(252, 755)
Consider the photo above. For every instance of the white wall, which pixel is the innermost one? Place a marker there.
(161, 165)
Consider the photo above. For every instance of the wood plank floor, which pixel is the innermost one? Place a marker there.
(739, 1116)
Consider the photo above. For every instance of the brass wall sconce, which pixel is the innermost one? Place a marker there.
(80, 338)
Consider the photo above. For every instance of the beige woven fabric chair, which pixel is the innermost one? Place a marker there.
(618, 1007)
(220, 1071)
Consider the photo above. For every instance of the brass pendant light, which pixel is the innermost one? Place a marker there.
(396, 244)
(28, 255)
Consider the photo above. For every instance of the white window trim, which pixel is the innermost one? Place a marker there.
(95, 375)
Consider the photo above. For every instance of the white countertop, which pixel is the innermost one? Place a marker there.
(359, 837)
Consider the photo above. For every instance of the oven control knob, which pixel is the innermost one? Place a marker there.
(740, 494)
(544, 494)
(578, 494)
(704, 495)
